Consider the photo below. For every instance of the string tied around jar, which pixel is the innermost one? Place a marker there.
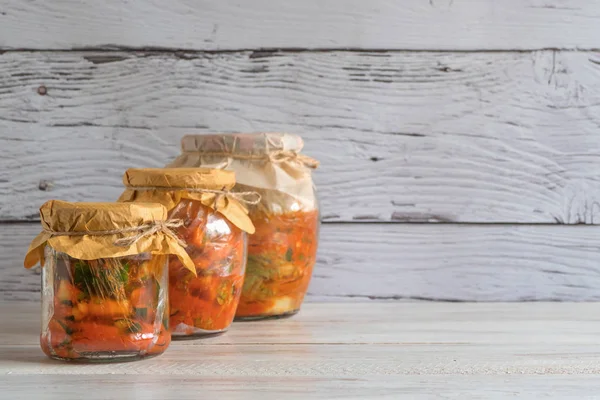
(248, 198)
(281, 156)
(145, 230)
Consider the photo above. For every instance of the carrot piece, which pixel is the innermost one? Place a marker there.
(164, 339)
(107, 308)
(57, 331)
(62, 311)
(144, 296)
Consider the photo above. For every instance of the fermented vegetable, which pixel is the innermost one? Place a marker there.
(207, 303)
(113, 306)
(104, 279)
(214, 229)
(281, 257)
(281, 254)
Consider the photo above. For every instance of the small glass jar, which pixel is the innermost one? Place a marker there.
(282, 251)
(205, 304)
(104, 279)
(214, 226)
(110, 309)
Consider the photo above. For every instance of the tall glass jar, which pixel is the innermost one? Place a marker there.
(282, 252)
(104, 309)
(214, 226)
(281, 257)
(104, 279)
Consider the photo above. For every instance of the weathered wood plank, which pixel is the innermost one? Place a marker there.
(394, 387)
(376, 24)
(379, 323)
(327, 360)
(443, 350)
(485, 137)
(412, 261)
(412, 351)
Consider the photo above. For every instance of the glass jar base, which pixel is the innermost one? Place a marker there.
(186, 332)
(105, 357)
(194, 336)
(286, 314)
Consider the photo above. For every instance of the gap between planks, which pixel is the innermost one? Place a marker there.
(267, 51)
(361, 262)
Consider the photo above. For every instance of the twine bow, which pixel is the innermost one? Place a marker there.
(280, 156)
(249, 198)
(142, 231)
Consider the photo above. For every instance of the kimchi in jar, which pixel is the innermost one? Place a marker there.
(104, 280)
(214, 228)
(282, 252)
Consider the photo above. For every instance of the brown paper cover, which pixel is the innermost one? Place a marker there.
(269, 163)
(63, 217)
(170, 188)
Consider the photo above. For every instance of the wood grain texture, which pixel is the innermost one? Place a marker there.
(409, 387)
(281, 361)
(358, 324)
(404, 137)
(411, 261)
(491, 351)
(377, 24)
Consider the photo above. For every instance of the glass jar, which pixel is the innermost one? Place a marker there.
(106, 309)
(206, 304)
(281, 257)
(282, 251)
(214, 226)
(104, 279)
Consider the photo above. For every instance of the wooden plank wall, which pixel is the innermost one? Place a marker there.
(459, 140)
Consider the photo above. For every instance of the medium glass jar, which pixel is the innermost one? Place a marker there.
(206, 304)
(105, 309)
(214, 226)
(282, 252)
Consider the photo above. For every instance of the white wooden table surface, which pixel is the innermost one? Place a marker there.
(329, 351)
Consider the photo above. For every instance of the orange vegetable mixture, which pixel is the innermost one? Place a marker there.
(106, 306)
(281, 257)
(206, 303)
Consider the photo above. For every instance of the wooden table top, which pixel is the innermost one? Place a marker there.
(389, 350)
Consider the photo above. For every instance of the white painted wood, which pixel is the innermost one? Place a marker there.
(229, 24)
(458, 350)
(409, 387)
(380, 323)
(411, 261)
(390, 388)
(280, 361)
(460, 137)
